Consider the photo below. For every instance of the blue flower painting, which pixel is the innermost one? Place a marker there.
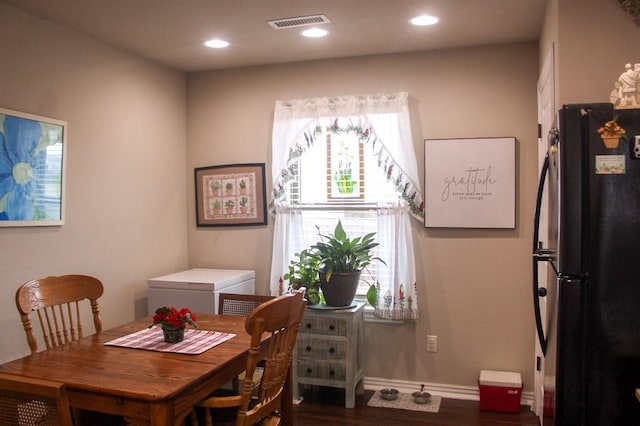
(25, 169)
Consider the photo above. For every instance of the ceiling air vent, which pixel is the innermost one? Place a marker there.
(299, 21)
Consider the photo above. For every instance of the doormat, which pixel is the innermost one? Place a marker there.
(405, 402)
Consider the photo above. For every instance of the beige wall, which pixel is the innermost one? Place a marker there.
(593, 41)
(592, 56)
(126, 180)
(549, 40)
(474, 285)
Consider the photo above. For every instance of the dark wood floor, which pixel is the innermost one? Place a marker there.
(326, 407)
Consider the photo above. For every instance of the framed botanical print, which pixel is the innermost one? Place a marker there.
(231, 195)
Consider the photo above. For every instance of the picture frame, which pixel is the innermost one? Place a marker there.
(231, 195)
(32, 181)
(470, 183)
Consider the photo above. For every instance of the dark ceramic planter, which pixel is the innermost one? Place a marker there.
(173, 334)
(341, 288)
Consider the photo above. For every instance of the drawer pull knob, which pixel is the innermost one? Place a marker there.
(332, 350)
(309, 371)
(308, 325)
(332, 327)
(308, 348)
(332, 373)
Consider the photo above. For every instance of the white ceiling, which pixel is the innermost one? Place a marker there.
(172, 31)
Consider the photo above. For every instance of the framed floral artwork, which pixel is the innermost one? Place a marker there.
(231, 195)
(32, 166)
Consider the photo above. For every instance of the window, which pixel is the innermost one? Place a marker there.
(338, 179)
(48, 175)
(351, 159)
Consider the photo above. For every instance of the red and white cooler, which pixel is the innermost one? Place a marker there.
(500, 391)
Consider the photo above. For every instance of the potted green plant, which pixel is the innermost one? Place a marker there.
(243, 205)
(303, 272)
(341, 261)
(216, 207)
(229, 204)
(215, 186)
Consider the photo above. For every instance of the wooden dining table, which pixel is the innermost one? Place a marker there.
(146, 387)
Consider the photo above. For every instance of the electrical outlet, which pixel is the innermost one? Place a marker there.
(432, 343)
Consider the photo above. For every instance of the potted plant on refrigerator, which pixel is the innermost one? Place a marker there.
(611, 132)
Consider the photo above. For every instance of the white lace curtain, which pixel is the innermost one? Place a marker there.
(382, 123)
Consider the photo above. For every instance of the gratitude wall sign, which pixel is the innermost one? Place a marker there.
(470, 183)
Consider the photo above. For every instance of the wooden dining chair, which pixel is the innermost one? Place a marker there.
(56, 300)
(280, 318)
(28, 401)
(241, 305)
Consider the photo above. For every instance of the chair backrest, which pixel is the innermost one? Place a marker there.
(28, 401)
(240, 304)
(280, 318)
(56, 300)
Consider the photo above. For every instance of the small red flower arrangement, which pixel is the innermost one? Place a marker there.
(171, 317)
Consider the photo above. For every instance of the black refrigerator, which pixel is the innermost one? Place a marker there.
(591, 336)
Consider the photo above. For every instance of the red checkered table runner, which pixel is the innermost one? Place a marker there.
(195, 341)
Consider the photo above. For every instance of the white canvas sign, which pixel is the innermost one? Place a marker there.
(470, 183)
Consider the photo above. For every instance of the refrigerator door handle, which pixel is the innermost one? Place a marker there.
(540, 254)
(572, 278)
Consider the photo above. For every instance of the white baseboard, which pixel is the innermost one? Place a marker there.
(447, 391)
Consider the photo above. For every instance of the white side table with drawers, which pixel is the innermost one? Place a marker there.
(330, 351)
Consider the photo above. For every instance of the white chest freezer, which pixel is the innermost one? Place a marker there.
(198, 289)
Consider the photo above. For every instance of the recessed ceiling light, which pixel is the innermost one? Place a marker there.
(424, 20)
(315, 32)
(216, 43)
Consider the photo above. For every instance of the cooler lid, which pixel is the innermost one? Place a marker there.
(203, 279)
(500, 378)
